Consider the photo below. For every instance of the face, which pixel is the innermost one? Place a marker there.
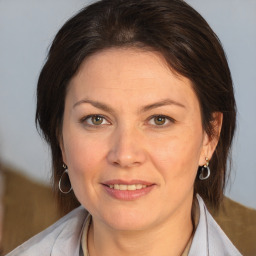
(132, 139)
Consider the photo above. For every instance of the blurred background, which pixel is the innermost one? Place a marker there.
(27, 28)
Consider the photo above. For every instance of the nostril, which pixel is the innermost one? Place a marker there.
(126, 164)
(116, 163)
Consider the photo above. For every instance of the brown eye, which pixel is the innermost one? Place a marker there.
(94, 121)
(97, 120)
(159, 120)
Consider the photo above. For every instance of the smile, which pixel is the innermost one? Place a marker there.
(127, 187)
(124, 190)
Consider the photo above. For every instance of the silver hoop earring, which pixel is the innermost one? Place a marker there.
(202, 175)
(61, 190)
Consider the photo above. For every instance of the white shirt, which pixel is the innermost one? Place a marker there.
(64, 237)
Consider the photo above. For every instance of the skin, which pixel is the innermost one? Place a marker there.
(130, 144)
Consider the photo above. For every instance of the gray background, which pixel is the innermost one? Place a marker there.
(26, 30)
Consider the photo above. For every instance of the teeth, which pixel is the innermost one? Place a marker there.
(123, 187)
(131, 187)
(139, 186)
(127, 187)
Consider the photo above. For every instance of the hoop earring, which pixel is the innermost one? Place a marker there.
(202, 170)
(65, 172)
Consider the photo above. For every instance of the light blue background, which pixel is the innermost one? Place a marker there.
(26, 30)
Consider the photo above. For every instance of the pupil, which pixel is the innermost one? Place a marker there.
(97, 120)
(159, 120)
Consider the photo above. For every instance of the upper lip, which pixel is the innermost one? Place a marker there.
(125, 182)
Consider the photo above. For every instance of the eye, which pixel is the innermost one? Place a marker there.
(95, 120)
(160, 120)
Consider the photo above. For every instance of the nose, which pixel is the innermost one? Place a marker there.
(127, 148)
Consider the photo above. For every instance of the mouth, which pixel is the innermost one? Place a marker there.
(127, 187)
(131, 190)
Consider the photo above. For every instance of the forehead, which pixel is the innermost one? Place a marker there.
(129, 61)
(130, 73)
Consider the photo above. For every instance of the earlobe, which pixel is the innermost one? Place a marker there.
(210, 141)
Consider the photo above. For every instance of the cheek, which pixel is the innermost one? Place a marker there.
(177, 156)
(84, 160)
(84, 155)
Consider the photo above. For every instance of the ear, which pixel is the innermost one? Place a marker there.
(210, 141)
(62, 148)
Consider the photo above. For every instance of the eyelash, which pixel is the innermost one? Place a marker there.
(84, 121)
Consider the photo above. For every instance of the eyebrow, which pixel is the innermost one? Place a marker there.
(160, 104)
(96, 104)
(146, 108)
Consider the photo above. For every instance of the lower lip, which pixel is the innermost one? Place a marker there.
(128, 195)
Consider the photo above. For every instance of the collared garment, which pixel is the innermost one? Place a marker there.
(64, 237)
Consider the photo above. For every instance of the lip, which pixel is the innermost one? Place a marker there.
(125, 182)
(128, 195)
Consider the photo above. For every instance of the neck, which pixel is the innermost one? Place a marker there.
(169, 238)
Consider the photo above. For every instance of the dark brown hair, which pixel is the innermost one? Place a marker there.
(170, 27)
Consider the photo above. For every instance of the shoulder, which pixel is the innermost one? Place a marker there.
(239, 223)
(29, 208)
(209, 239)
(62, 238)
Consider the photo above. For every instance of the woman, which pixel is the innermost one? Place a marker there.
(137, 104)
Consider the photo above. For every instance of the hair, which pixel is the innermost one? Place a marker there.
(169, 27)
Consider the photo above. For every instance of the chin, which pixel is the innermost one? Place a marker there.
(129, 220)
